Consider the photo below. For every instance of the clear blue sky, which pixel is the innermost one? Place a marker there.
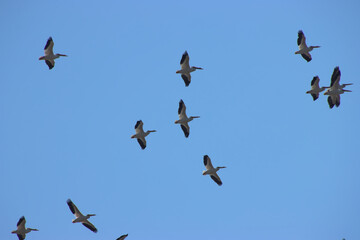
(292, 164)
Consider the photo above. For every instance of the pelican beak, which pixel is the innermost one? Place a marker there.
(178, 71)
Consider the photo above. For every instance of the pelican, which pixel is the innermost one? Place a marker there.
(210, 170)
(336, 89)
(140, 134)
(186, 69)
(49, 55)
(315, 89)
(80, 217)
(303, 48)
(21, 230)
(122, 237)
(183, 119)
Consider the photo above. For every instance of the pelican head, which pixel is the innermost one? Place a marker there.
(204, 172)
(61, 55)
(312, 47)
(150, 131)
(33, 229)
(176, 121)
(192, 117)
(327, 92)
(90, 215)
(219, 168)
(133, 136)
(178, 71)
(42, 58)
(14, 231)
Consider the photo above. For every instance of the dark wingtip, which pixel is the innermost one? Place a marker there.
(22, 218)
(205, 159)
(137, 123)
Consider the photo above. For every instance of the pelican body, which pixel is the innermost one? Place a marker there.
(49, 56)
(186, 69)
(315, 89)
(183, 119)
(21, 230)
(80, 217)
(210, 170)
(304, 50)
(336, 89)
(140, 134)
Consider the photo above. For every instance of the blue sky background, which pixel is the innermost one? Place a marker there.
(292, 164)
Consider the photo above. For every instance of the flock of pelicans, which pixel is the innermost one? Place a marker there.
(335, 89)
(333, 92)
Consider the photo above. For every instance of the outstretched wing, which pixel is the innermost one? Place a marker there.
(187, 78)
(50, 63)
(307, 56)
(139, 126)
(90, 226)
(315, 96)
(207, 162)
(186, 129)
(21, 236)
(73, 208)
(48, 49)
(122, 237)
(142, 142)
(301, 41)
(216, 178)
(184, 62)
(182, 109)
(335, 77)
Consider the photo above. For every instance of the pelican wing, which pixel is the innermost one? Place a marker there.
(331, 102)
(301, 41)
(21, 236)
(139, 126)
(182, 109)
(216, 178)
(142, 142)
(122, 237)
(90, 226)
(50, 63)
(48, 49)
(307, 56)
(315, 96)
(187, 78)
(337, 100)
(207, 162)
(184, 62)
(315, 82)
(186, 129)
(73, 208)
(335, 77)
(21, 223)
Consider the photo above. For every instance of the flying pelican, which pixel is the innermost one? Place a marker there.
(140, 134)
(186, 69)
(315, 89)
(183, 119)
(303, 48)
(21, 230)
(122, 237)
(80, 217)
(49, 55)
(210, 170)
(336, 89)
